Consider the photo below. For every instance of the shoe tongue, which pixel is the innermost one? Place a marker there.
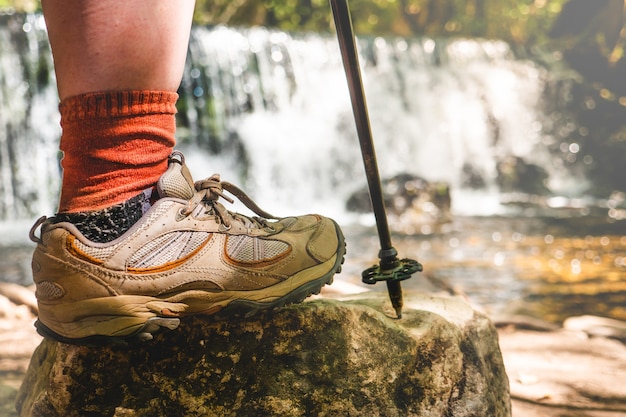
(176, 182)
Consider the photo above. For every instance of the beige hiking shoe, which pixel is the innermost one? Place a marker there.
(186, 255)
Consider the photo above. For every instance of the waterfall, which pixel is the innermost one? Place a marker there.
(270, 111)
(29, 123)
(278, 115)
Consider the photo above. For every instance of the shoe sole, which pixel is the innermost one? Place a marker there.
(125, 319)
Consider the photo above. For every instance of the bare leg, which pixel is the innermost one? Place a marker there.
(107, 45)
(118, 65)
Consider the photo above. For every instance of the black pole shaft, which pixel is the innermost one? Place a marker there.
(388, 254)
(343, 24)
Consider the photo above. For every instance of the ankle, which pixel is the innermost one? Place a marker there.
(108, 224)
(115, 144)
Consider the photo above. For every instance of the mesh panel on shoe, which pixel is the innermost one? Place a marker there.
(288, 221)
(168, 248)
(176, 182)
(249, 249)
(48, 291)
(95, 252)
(103, 252)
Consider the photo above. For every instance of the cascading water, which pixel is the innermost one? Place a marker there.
(271, 111)
(29, 128)
(444, 110)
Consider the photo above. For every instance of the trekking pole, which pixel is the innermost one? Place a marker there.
(390, 269)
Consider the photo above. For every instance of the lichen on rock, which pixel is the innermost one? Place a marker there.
(318, 358)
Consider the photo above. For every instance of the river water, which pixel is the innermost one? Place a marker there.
(529, 233)
(548, 267)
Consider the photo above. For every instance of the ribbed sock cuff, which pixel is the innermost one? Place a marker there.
(115, 145)
(111, 104)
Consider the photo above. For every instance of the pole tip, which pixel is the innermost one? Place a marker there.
(398, 312)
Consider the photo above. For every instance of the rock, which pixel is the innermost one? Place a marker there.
(18, 295)
(18, 337)
(7, 396)
(564, 373)
(597, 326)
(408, 199)
(517, 175)
(18, 340)
(318, 358)
(523, 322)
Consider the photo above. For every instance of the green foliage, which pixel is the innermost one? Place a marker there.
(20, 5)
(517, 21)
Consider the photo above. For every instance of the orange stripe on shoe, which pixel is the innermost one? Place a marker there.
(168, 265)
(77, 252)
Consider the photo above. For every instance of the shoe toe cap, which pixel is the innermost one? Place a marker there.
(326, 239)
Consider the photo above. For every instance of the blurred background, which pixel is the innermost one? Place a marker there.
(499, 126)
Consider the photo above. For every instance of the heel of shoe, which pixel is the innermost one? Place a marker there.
(146, 332)
(108, 320)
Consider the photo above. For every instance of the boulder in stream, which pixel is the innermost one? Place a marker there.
(318, 358)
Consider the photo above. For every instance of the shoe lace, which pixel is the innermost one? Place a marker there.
(210, 190)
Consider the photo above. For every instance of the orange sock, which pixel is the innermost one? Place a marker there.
(115, 145)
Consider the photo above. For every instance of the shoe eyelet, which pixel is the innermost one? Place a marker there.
(224, 228)
(180, 215)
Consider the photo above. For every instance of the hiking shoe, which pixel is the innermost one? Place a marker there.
(186, 255)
